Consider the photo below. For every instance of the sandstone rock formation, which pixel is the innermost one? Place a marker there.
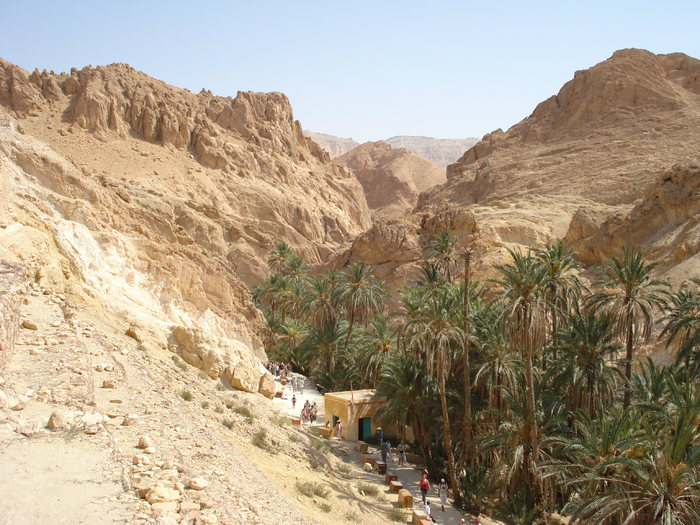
(336, 146)
(391, 178)
(158, 206)
(665, 223)
(440, 151)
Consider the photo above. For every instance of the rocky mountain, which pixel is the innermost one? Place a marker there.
(599, 152)
(440, 151)
(392, 178)
(157, 207)
(336, 146)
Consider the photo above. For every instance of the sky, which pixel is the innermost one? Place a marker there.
(363, 69)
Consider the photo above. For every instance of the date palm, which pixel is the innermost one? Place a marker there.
(524, 284)
(682, 325)
(375, 346)
(585, 370)
(434, 331)
(279, 255)
(360, 294)
(442, 249)
(563, 289)
(630, 295)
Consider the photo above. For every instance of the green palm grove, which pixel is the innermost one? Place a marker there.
(523, 390)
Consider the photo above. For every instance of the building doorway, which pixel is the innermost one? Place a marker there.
(364, 428)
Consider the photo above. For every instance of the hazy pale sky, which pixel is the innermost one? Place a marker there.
(361, 69)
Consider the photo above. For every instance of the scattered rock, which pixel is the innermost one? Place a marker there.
(109, 383)
(59, 420)
(145, 442)
(130, 420)
(140, 459)
(197, 484)
(367, 467)
(29, 325)
(160, 493)
(131, 332)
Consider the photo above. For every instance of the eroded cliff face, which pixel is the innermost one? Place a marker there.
(665, 223)
(391, 178)
(158, 207)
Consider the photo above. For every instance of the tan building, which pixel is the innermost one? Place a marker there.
(356, 411)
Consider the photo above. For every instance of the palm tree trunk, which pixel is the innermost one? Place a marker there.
(469, 430)
(448, 439)
(532, 414)
(352, 322)
(629, 347)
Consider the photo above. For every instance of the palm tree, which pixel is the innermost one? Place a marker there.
(323, 349)
(524, 283)
(291, 335)
(683, 325)
(410, 396)
(375, 346)
(319, 297)
(434, 332)
(279, 256)
(360, 294)
(630, 295)
(584, 370)
(442, 249)
(563, 289)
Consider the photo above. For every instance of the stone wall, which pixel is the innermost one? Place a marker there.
(12, 288)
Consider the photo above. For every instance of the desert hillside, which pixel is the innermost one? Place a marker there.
(602, 152)
(391, 177)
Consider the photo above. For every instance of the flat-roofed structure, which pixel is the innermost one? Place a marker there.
(356, 410)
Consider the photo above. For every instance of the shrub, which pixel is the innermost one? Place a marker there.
(395, 514)
(343, 468)
(220, 387)
(310, 489)
(179, 363)
(295, 438)
(259, 439)
(325, 507)
(186, 395)
(219, 409)
(368, 489)
(203, 375)
(227, 423)
(205, 404)
(243, 411)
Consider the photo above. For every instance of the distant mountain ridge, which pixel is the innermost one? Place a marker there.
(439, 151)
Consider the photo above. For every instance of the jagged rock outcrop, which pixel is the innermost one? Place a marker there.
(665, 223)
(391, 178)
(156, 206)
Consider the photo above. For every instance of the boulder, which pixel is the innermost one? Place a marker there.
(243, 377)
(29, 325)
(145, 442)
(267, 386)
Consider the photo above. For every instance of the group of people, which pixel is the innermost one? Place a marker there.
(279, 370)
(309, 412)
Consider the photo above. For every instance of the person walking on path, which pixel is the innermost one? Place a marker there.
(380, 436)
(338, 429)
(294, 401)
(424, 486)
(426, 508)
(385, 448)
(402, 453)
(442, 492)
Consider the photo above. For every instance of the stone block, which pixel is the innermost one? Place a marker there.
(405, 499)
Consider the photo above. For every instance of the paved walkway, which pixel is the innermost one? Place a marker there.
(409, 476)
